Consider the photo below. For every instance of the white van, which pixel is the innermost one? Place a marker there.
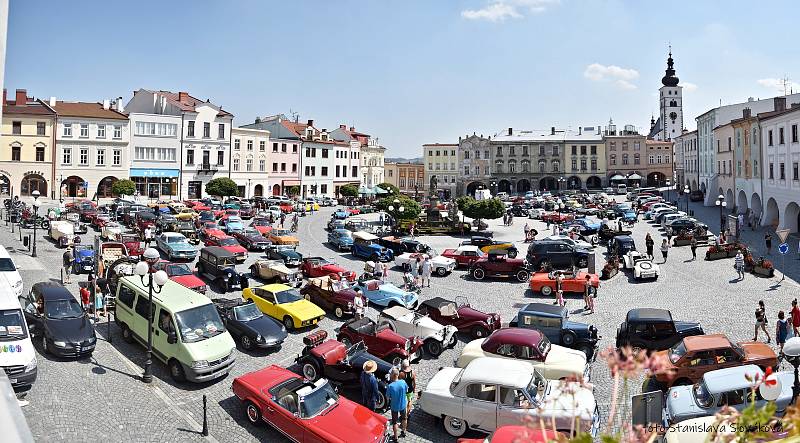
(622, 189)
(9, 273)
(17, 356)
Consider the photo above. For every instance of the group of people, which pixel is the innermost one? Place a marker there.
(418, 274)
(588, 292)
(785, 327)
(399, 393)
(649, 244)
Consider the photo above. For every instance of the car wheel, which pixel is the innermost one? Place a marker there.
(547, 291)
(479, 331)
(544, 264)
(454, 426)
(586, 349)
(568, 339)
(346, 342)
(253, 413)
(441, 272)
(433, 347)
(288, 323)
(395, 360)
(512, 253)
(583, 262)
(45, 349)
(478, 274)
(380, 401)
(310, 370)
(523, 276)
(247, 344)
(127, 335)
(176, 371)
(338, 312)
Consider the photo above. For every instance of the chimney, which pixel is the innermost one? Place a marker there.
(52, 102)
(183, 97)
(580, 129)
(106, 104)
(746, 113)
(510, 131)
(118, 106)
(22, 97)
(310, 123)
(780, 103)
(5, 92)
(552, 130)
(343, 127)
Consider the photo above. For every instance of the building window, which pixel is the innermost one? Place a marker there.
(190, 157)
(499, 150)
(769, 134)
(249, 164)
(40, 153)
(84, 158)
(236, 144)
(337, 172)
(220, 158)
(511, 150)
(283, 167)
(574, 150)
(666, 158)
(274, 167)
(466, 170)
(262, 146)
(275, 147)
(67, 129)
(16, 153)
(636, 159)
(583, 164)
(583, 150)
(84, 130)
(101, 157)
(101, 131)
(593, 150)
(795, 172)
(613, 159)
(249, 145)
(294, 149)
(117, 157)
(574, 164)
(594, 164)
(624, 159)
(354, 172)
(466, 155)
(206, 130)
(555, 149)
(651, 159)
(40, 128)
(541, 149)
(221, 131)
(624, 146)
(771, 171)
(66, 156)
(613, 146)
(794, 133)
(636, 146)
(780, 136)
(512, 166)
(325, 153)
(283, 148)
(118, 131)
(324, 171)
(236, 163)
(262, 165)
(525, 150)
(783, 171)
(555, 166)
(189, 128)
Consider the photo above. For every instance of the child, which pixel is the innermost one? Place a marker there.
(85, 298)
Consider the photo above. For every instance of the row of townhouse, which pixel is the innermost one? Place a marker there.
(171, 145)
(748, 156)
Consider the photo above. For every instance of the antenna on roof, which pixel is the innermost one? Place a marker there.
(787, 85)
(295, 115)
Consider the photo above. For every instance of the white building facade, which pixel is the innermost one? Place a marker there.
(347, 158)
(780, 147)
(250, 161)
(372, 160)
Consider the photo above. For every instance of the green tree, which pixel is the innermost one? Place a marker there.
(291, 191)
(222, 187)
(390, 188)
(411, 208)
(349, 191)
(123, 187)
(482, 209)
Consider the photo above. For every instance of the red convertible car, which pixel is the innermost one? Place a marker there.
(461, 315)
(319, 267)
(557, 217)
(381, 341)
(306, 411)
(545, 282)
(215, 237)
(352, 210)
(181, 274)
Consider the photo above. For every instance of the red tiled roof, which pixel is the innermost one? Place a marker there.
(440, 144)
(32, 107)
(190, 103)
(300, 130)
(85, 109)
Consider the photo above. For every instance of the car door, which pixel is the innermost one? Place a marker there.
(161, 335)
(479, 407)
(141, 311)
(32, 316)
(512, 408)
(265, 301)
(664, 334)
(284, 415)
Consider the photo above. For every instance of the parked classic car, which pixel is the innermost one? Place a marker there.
(653, 329)
(232, 224)
(83, 259)
(554, 322)
(284, 303)
(407, 323)
(340, 214)
(62, 232)
(132, 244)
(228, 243)
(552, 361)
(468, 398)
(342, 239)
(695, 355)
(274, 395)
(556, 254)
(730, 386)
(329, 294)
(386, 294)
(286, 253)
(464, 255)
(642, 265)
(381, 340)
(262, 225)
(219, 266)
(181, 274)
(486, 245)
(440, 265)
(250, 326)
(365, 245)
(275, 271)
(460, 314)
(252, 240)
(166, 222)
(110, 231)
(175, 246)
(189, 230)
(497, 264)
(399, 245)
(573, 281)
(320, 267)
(280, 236)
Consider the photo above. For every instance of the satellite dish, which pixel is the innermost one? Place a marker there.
(770, 391)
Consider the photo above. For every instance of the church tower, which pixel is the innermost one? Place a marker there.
(671, 104)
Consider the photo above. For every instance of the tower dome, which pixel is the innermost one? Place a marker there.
(670, 79)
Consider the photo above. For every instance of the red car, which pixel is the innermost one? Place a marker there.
(132, 244)
(262, 225)
(306, 411)
(215, 237)
(287, 207)
(353, 211)
(465, 255)
(545, 282)
(557, 217)
(319, 267)
(382, 342)
(99, 220)
(461, 315)
(498, 264)
(181, 274)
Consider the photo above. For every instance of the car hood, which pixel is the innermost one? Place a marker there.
(290, 254)
(442, 261)
(392, 289)
(233, 249)
(334, 269)
(684, 327)
(189, 281)
(569, 396)
(428, 325)
(561, 356)
(287, 239)
(757, 351)
(83, 254)
(303, 309)
(440, 383)
(267, 327)
(70, 329)
(388, 335)
(680, 400)
(350, 421)
(467, 313)
(180, 246)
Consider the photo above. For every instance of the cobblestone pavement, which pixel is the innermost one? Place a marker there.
(102, 397)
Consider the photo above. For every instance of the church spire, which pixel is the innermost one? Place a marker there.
(670, 79)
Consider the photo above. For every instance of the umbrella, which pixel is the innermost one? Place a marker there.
(378, 190)
(617, 177)
(634, 176)
(365, 191)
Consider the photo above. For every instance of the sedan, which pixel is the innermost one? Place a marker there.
(54, 315)
(175, 246)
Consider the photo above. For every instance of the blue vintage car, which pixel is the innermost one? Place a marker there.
(175, 246)
(729, 386)
(386, 294)
(340, 214)
(233, 224)
(341, 239)
(588, 226)
(365, 245)
(84, 259)
(554, 322)
(286, 253)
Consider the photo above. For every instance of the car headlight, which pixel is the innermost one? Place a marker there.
(93, 340)
(200, 364)
(31, 365)
(259, 338)
(489, 320)
(60, 344)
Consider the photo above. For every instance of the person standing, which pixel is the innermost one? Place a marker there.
(619, 225)
(283, 219)
(781, 331)
(385, 274)
(664, 249)
(588, 300)
(693, 246)
(426, 272)
(526, 229)
(738, 262)
(369, 385)
(398, 402)
(559, 294)
(768, 242)
(649, 244)
(795, 314)
(148, 236)
(84, 291)
(761, 321)
(408, 376)
(415, 265)
(359, 305)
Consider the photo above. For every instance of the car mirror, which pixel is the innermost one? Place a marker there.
(172, 338)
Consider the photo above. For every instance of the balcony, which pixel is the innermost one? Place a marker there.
(207, 168)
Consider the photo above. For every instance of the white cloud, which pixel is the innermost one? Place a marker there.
(501, 10)
(777, 84)
(689, 87)
(622, 77)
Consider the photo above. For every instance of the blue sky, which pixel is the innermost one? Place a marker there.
(409, 72)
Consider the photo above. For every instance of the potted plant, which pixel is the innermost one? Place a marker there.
(716, 253)
(764, 268)
(683, 239)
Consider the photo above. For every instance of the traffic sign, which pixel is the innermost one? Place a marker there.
(783, 248)
(782, 234)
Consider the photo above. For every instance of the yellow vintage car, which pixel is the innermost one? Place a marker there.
(186, 214)
(283, 237)
(285, 304)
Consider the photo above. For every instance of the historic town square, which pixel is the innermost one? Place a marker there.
(350, 222)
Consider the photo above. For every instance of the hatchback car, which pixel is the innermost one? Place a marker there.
(54, 315)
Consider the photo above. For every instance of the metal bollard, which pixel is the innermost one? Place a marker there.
(62, 275)
(205, 416)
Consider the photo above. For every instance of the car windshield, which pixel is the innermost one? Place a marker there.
(544, 346)
(178, 269)
(63, 309)
(251, 232)
(227, 241)
(200, 323)
(176, 239)
(318, 400)
(704, 398)
(247, 312)
(287, 296)
(234, 220)
(7, 265)
(11, 327)
(536, 388)
(280, 232)
(676, 352)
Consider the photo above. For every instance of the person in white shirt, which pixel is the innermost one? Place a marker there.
(359, 305)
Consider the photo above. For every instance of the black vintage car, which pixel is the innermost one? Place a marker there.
(249, 325)
(620, 245)
(554, 322)
(55, 316)
(165, 222)
(399, 245)
(286, 253)
(653, 329)
(217, 265)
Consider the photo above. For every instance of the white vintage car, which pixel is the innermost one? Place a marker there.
(643, 266)
(493, 392)
(529, 345)
(440, 265)
(111, 231)
(62, 232)
(436, 337)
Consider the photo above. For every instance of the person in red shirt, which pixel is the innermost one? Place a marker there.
(795, 313)
(85, 298)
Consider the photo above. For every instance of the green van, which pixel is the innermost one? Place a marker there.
(188, 334)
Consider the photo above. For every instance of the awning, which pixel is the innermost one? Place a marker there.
(142, 172)
(379, 190)
(634, 176)
(363, 190)
(617, 177)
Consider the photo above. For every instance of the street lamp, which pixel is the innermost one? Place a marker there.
(560, 181)
(791, 350)
(668, 183)
(35, 195)
(686, 192)
(722, 204)
(159, 278)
